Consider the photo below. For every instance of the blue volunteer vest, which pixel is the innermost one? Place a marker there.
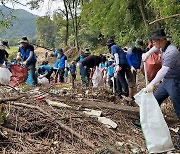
(62, 62)
(25, 54)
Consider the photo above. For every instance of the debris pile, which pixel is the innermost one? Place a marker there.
(53, 120)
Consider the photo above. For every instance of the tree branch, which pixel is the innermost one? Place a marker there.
(172, 16)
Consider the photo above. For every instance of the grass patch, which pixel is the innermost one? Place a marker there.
(12, 52)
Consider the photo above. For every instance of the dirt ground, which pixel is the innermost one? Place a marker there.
(34, 126)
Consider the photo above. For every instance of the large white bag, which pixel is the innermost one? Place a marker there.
(97, 77)
(5, 75)
(154, 127)
(43, 81)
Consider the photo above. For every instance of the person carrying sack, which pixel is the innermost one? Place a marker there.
(28, 57)
(169, 73)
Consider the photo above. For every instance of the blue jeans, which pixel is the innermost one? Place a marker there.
(85, 74)
(169, 87)
(82, 73)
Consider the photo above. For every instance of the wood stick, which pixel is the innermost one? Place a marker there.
(2, 100)
(24, 135)
(172, 16)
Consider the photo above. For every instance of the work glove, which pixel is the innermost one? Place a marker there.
(24, 63)
(149, 88)
(18, 58)
(115, 74)
(117, 68)
(145, 56)
(133, 69)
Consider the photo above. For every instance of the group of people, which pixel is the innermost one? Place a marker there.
(119, 69)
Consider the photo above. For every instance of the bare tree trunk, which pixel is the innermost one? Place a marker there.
(143, 12)
(76, 27)
(73, 4)
(67, 22)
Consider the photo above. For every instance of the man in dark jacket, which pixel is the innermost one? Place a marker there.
(28, 57)
(120, 68)
(91, 62)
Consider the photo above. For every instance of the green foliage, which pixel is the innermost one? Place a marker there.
(101, 19)
(12, 52)
(46, 31)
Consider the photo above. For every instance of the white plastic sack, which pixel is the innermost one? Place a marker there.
(43, 81)
(154, 127)
(5, 75)
(97, 78)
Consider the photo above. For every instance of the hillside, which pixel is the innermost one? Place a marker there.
(23, 24)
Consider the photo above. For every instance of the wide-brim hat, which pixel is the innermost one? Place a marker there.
(158, 34)
(87, 51)
(110, 42)
(4, 44)
(24, 40)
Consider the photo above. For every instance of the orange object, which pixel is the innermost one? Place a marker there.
(153, 65)
(40, 98)
(19, 75)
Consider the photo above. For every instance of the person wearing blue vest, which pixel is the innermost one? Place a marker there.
(60, 65)
(134, 58)
(72, 69)
(28, 57)
(120, 68)
(110, 74)
(45, 70)
(83, 71)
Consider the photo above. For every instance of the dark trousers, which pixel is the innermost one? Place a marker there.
(169, 87)
(32, 69)
(121, 83)
(60, 72)
(48, 76)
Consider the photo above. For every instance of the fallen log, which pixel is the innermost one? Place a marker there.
(171, 119)
(107, 105)
(88, 143)
(128, 109)
(2, 100)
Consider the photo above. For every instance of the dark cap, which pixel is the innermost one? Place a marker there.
(110, 42)
(4, 44)
(60, 50)
(158, 34)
